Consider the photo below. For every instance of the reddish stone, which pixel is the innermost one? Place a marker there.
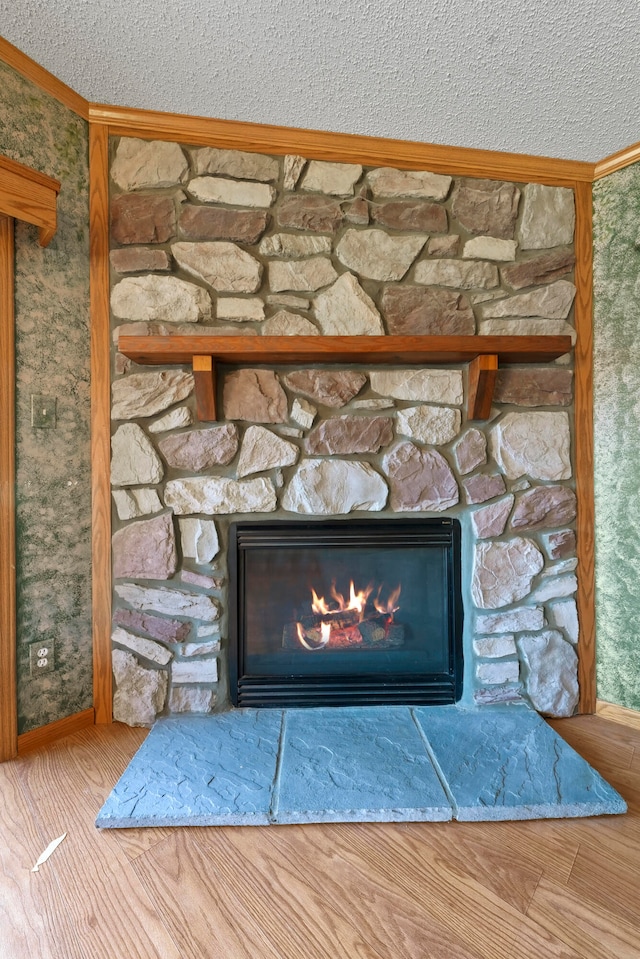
(255, 396)
(140, 259)
(145, 549)
(426, 311)
(320, 214)
(167, 630)
(542, 386)
(212, 223)
(141, 218)
(491, 520)
(482, 487)
(443, 245)
(329, 387)
(420, 479)
(544, 506)
(540, 269)
(561, 544)
(201, 449)
(411, 215)
(350, 434)
(487, 207)
(357, 211)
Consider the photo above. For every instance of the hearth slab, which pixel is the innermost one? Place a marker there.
(505, 762)
(200, 771)
(355, 764)
(360, 764)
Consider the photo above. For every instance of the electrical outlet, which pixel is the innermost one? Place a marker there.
(41, 657)
(43, 412)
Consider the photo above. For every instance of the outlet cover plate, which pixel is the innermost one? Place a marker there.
(41, 657)
(43, 411)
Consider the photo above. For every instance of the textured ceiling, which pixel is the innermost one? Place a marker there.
(548, 77)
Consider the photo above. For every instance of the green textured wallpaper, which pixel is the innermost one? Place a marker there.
(52, 355)
(617, 434)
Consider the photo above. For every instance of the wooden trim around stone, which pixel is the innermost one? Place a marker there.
(28, 195)
(8, 678)
(47, 82)
(45, 735)
(341, 147)
(618, 714)
(583, 433)
(100, 421)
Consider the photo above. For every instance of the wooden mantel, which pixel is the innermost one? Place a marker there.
(483, 353)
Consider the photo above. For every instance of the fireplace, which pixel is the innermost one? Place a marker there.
(340, 613)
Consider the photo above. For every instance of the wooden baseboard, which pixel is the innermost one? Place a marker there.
(618, 714)
(48, 734)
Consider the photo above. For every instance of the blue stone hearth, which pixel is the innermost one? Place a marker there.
(355, 764)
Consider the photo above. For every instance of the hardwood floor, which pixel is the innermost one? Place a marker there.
(563, 889)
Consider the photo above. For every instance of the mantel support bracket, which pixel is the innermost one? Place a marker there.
(204, 374)
(483, 371)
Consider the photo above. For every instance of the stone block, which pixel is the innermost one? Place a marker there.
(140, 259)
(318, 214)
(489, 248)
(213, 189)
(302, 275)
(539, 269)
(293, 167)
(498, 673)
(411, 216)
(131, 504)
(552, 302)
(470, 451)
(460, 274)
(141, 164)
(346, 310)
(378, 255)
(167, 630)
(303, 413)
(224, 266)
(555, 587)
(198, 450)
(175, 420)
(411, 310)
(482, 487)
(255, 396)
(334, 487)
(561, 544)
(191, 699)
(194, 671)
(144, 394)
(293, 245)
(425, 385)
(487, 207)
(142, 218)
(140, 693)
(133, 459)
(262, 450)
(503, 573)
(434, 425)
(284, 323)
(142, 647)
(443, 245)
(212, 223)
(492, 520)
(544, 506)
(170, 602)
(388, 182)
(145, 549)
(564, 615)
(514, 621)
(548, 217)
(531, 386)
(550, 673)
(495, 647)
(536, 444)
(235, 163)
(419, 480)
(165, 298)
(337, 179)
(199, 539)
(334, 388)
(218, 495)
(342, 435)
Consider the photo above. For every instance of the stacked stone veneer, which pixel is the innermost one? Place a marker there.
(215, 241)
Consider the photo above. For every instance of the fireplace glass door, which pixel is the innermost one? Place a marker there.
(350, 612)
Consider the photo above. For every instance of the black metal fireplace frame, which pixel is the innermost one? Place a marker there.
(354, 689)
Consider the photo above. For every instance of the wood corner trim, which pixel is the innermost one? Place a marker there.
(617, 161)
(47, 82)
(26, 194)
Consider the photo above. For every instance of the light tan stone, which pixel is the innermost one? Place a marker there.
(240, 309)
(514, 621)
(284, 323)
(378, 255)
(133, 459)
(456, 273)
(535, 444)
(503, 572)
(146, 648)
(217, 495)
(140, 693)
(494, 673)
(346, 310)
(142, 164)
(182, 416)
(212, 189)
(548, 217)
(133, 503)
(564, 615)
(495, 647)
(235, 163)
(166, 298)
(199, 539)
(334, 487)
(292, 245)
(143, 394)
(427, 386)
(551, 302)
(435, 425)
(169, 602)
(262, 450)
(386, 181)
(191, 699)
(304, 275)
(550, 673)
(490, 248)
(303, 413)
(293, 167)
(470, 451)
(222, 265)
(555, 587)
(195, 671)
(337, 179)
(530, 327)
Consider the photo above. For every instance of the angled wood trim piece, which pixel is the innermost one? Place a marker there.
(345, 147)
(45, 735)
(8, 679)
(32, 71)
(100, 421)
(483, 371)
(30, 196)
(584, 448)
(618, 714)
(617, 161)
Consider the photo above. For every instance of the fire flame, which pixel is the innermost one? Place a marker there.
(325, 634)
(356, 602)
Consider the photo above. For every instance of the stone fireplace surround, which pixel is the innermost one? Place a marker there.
(205, 238)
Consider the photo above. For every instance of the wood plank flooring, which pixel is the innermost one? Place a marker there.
(567, 889)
